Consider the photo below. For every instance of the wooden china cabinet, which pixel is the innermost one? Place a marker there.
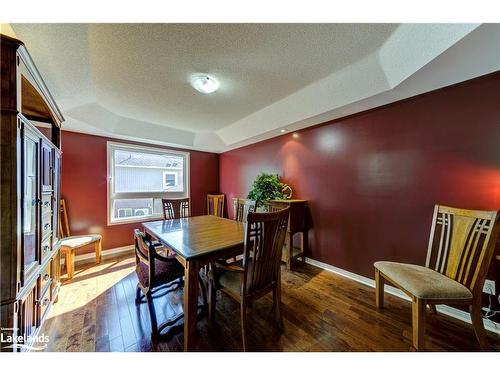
(30, 171)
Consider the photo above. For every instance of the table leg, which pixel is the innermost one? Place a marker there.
(190, 304)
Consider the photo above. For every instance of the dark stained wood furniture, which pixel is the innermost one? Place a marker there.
(259, 272)
(197, 241)
(241, 208)
(29, 196)
(215, 204)
(175, 208)
(156, 273)
(70, 244)
(297, 224)
(460, 249)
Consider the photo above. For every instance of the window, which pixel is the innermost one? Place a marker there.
(138, 177)
(169, 181)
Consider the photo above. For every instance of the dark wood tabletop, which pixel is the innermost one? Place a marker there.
(197, 236)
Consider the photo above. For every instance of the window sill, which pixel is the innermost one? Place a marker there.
(134, 220)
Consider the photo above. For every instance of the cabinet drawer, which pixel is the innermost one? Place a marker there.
(43, 304)
(46, 204)
(46, 246)
(46, 277)
(46, 226)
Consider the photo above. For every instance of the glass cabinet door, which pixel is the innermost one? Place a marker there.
(30, 171)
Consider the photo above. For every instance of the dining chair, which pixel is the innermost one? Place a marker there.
(461, 245)
(215, 204)
(242, 207)
(155, 273)
(70, 244)
(288, 245)
(259, 272)
(175, 208)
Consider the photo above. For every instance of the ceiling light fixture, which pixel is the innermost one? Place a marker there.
(283, 130)
(204, 84)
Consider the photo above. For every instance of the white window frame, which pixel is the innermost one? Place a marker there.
(163, 178)
(111, 195)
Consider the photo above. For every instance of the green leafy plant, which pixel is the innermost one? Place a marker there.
(265, 187)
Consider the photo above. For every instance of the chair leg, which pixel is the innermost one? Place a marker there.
(289, 249)
(203, 293)
(379, 291)
(70, 263)
(138, 294)
(418, 318)
(98, 249)
(478, 325)
(212, 301)
(277, 307)
(243, 323)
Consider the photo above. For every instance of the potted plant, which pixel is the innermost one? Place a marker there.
(267, 186)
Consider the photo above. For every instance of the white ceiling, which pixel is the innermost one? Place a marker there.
(131, 80)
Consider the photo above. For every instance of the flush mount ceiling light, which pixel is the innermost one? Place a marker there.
(283, 130)
(204, 84)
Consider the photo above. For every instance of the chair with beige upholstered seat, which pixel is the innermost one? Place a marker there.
(70, 244)
(460, 249)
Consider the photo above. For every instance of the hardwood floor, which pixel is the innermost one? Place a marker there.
(322, 312)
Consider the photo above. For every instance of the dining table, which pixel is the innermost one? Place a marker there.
(196, 242)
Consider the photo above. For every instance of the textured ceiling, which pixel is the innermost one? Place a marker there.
(131, 80)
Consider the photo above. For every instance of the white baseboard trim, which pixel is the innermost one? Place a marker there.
(443, 309)
(105, 254)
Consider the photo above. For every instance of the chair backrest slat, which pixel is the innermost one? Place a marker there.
(264, 240)
(242, 207)
(141, 246)
(465, 242)
(175, 208)
(215, 204)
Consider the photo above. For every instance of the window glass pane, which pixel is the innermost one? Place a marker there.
(157, 208)
(132, 208)
(136, 171)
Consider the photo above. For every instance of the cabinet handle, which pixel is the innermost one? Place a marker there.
(46, 203)
(46, 226)
(46, 277)
(44, 302)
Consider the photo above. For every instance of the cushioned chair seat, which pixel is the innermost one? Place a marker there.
(232, 280)
(423, 282)
(165, 272)
(75, 242)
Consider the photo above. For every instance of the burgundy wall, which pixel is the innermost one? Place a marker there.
(84, 171)
(373, 178)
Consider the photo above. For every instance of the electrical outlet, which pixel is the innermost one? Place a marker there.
(489, 287)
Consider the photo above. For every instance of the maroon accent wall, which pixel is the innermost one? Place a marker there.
(373, 178)
(84, 174)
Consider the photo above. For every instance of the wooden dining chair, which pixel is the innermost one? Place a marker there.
(242, 207)
(70, 244)
(175, 208)
(155, 273)
(215, 204)
(460, 249)
(259, 272)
